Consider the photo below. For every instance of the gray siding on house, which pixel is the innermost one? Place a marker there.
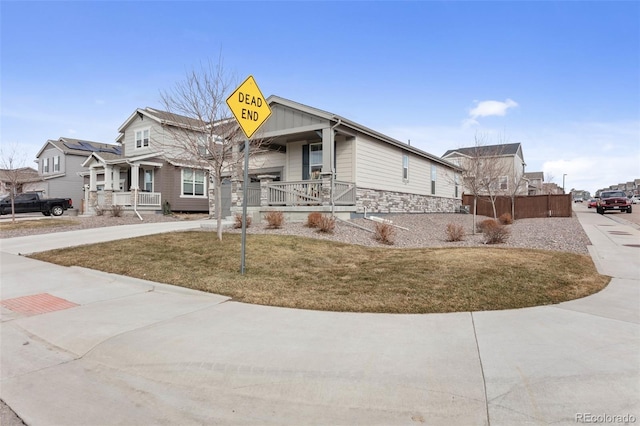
(380, 166)
(66, 183)
(168, 181)
(345, 160)
(283, 117)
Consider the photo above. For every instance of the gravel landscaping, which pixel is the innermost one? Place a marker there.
(429, 230)
(423, 230)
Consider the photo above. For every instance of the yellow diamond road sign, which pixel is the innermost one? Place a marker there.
(249, 107)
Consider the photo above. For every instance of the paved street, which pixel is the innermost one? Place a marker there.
(127, 351)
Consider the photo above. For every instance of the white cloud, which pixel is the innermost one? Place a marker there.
(487, 109)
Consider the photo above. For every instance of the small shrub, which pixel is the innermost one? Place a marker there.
(274, 220)
(313, 219)
(238, 221)
(99, 210)
(384, 233)
(327, 224)
(487, 224)
(116, 211)
(506, 219)
(496, 234)
(455, 232)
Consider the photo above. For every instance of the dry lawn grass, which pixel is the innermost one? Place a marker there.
(37, 224)
(307, 273)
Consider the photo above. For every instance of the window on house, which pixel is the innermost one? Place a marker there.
(315, 160)
(193, 182)
(405, 167)
(142, 138)
(56, 163)
(203, 150)
(456, 185)
(434, 174)
(148, 180)
(45, 165)
(504, 183)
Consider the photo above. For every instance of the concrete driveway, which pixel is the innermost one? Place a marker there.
(103, 349)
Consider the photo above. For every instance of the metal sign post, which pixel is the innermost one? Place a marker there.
(244, 206)
(251, 110)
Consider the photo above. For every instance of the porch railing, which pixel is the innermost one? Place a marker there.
(309, 193)
(295, 193)
(145, 199)
(253, 194)
(344, 193)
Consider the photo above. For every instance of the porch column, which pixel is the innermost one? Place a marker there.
(135, 176)
(116, 178)
(135, 179)
(108, 185)
(93, 177)
(327, 150)
(265, 180)
(108, 178)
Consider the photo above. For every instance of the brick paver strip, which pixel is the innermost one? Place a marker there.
(37, 304)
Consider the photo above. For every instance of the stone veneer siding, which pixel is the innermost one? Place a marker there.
(377, 201)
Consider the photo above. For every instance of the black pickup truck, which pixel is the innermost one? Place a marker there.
(30, 202)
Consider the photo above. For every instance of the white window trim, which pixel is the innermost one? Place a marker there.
(405, 168)
(434, 179)
(504, 179)
(153, 180)
(45, 165)
(56, 163)
(316, 165)
(204, 184)
(135, 138)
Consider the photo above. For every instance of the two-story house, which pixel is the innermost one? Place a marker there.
(502, 164)
(60, 165)
(144, 176)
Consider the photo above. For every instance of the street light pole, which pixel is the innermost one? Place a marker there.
(563, 176)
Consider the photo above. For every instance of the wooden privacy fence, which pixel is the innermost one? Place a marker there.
(526, 206)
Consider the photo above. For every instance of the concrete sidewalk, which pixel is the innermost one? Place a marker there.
(137, 352)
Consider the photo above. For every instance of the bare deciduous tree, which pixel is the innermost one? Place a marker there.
(13, 173)
(204, 134)
(482, 170)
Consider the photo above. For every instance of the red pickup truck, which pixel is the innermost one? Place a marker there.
(613, 200)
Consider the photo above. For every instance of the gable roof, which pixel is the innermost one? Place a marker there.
(486, 150)
(339, 120)
(23, 175)
(160, 117)
(534, 175)
(83, 148)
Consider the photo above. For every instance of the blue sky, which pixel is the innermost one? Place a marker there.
(562, 78)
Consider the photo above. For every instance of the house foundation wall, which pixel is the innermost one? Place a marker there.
(379, 201)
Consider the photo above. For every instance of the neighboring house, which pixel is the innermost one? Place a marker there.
(579, 194)
(535, 180)
(508, 158)
(143, 176)
(25, 179)
(320, 161)
(551, 188)
(60, 165)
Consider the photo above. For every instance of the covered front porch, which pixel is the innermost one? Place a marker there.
(109, 178)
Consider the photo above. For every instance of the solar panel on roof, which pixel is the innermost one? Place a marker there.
(76, 147)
